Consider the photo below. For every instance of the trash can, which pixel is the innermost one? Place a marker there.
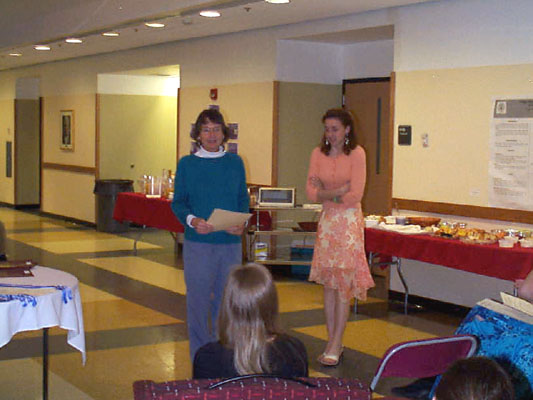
(106, 191)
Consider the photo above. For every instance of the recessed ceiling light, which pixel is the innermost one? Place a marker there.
(111, 34)
(15, 54)
(73, 40)
(154, 24)
(210, 13)
(278, 1)
(41, 47)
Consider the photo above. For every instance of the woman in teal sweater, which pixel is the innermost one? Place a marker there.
(208, 179)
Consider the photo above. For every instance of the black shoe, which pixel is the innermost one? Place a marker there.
(3, 257)
(418, 390)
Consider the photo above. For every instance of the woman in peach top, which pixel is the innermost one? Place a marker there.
(336, 178)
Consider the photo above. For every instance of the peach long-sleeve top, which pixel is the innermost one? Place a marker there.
(334, 172)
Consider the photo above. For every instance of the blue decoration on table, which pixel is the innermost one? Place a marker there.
(25, 299)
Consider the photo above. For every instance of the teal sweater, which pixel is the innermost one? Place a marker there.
(203, 184)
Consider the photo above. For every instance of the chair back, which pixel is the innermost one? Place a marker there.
(424, 358)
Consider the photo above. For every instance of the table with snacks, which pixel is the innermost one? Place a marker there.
(40, 298)
(498, 254)
(146, 211)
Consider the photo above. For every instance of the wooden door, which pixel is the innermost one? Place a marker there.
(369, 102)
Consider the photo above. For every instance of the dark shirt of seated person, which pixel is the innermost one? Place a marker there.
(475, 378)
(250, 341)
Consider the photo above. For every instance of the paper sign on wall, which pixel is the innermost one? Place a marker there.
(511, 154)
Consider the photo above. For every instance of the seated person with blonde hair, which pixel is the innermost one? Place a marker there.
(250, 341)
(475, 378)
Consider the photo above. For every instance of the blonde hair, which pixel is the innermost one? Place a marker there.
(248, 318)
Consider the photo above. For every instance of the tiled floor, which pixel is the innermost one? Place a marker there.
(134, 314)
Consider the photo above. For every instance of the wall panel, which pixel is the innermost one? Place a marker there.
(138, 131)
(7, 128)
(248, 104)
(454, 107)
(69, 194)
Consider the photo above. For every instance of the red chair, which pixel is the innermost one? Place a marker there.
(423, 358)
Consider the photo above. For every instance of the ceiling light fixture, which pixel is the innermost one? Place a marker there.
(154, 24)
(73, 40)
(41, 47)
(278, 1)
(210, 13)
(111, 34)
(15, 54)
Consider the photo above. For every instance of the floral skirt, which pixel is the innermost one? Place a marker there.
(339, 259)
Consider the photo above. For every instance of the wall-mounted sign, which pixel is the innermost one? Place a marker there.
(404, 135)
(67, 130)
(511, 152)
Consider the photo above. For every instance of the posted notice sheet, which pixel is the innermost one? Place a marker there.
(511, 154)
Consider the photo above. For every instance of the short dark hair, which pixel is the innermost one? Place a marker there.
(209, 115)
(475, 378)
(345, 118)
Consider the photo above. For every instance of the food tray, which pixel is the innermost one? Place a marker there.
(479, 241)
(423, 221)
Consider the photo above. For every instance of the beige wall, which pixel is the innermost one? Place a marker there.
(301, 106)
(136, 130)
(454, 107)
(83, 106)
(27, 161)
(66, 193)
(248, 104)
(7, 128)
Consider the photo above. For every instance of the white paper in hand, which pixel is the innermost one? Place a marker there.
(224, 219)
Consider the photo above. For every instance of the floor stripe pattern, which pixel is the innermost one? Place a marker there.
(134, 315)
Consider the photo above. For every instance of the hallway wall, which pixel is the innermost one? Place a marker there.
(248, 104)
(68, 176)
(7, 129)
(423, 41)
(27, 151)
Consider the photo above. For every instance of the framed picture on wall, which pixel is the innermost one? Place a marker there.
(67, 130)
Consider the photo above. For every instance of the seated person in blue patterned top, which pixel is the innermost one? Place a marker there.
(475, 378)
(250, 341)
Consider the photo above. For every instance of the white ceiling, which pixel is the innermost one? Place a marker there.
(24, 23)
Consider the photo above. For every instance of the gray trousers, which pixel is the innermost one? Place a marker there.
(207, 267)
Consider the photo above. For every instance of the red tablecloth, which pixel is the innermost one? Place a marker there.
(155, 213)
(490, 260)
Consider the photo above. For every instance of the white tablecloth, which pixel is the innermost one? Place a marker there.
(47, 307)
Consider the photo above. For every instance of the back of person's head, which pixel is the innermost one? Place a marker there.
(475, 378)
(248, 317)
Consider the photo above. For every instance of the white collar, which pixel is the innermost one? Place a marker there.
(203, 153)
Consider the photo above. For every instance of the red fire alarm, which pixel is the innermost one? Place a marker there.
(213, 94)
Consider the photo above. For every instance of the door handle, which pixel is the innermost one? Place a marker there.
(378, 137)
